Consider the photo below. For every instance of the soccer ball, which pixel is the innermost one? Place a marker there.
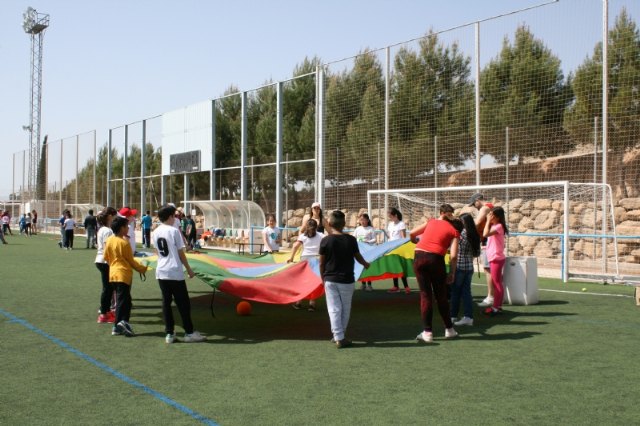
(243, 308)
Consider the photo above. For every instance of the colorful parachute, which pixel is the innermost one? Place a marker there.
(269, 279)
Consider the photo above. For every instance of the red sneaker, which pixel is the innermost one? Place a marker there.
(103, 319)
(393, 290)
(490, 311)
(111, 317)
(407, 290)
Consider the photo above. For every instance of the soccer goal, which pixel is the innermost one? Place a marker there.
(569, 227)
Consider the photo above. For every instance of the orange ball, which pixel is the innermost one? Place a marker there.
(243, 308)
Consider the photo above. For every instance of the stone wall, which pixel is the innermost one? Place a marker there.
(540, 216)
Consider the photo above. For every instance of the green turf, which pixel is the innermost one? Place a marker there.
(569, 360)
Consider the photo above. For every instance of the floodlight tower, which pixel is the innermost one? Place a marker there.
(35, 23)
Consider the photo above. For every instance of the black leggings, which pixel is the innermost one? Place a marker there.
(432, 278)
(404, 282)
(107, 288)
(172, 289)
(123, 302)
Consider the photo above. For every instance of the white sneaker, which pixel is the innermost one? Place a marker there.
(170, 338)
(450, 333)
(488, 301)
(464, 321)
(194, 337)
(425, 336)
(454, 319)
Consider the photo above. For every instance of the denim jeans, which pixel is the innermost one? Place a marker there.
(339, 298)
(462, 289)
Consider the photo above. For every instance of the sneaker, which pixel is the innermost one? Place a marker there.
(126, 328)
(464, 321)
(111, 317)
(393, 290)
(369, 288)
(170, 338)
(425, 337)
(344, 343)
(453, 319)
(407, 290)
(296, 306)
(450, 333)
(103, 319)
(59, 244)
(194, 337)
(490, 311)
(116, 331)
(488, 301)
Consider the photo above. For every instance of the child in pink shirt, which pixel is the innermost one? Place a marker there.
(495, 230)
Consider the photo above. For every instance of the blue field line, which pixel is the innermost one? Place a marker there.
(106, 368)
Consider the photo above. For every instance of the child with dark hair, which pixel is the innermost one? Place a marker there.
(494, 231)
(271, 235)
(396, 229)
(170, 249)
(310, 242)
(469, 248)
(337, 253)
(68, 225)
(365, 234)
(433, 239)
(106, 315)
(118, 254)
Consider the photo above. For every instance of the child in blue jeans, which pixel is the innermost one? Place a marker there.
(337, 253)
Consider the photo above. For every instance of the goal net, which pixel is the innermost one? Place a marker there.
(569, 227)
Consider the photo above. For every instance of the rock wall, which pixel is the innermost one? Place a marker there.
(535, 217)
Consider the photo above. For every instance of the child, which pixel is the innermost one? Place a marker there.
(396, 230)
(310, 242)
(365, 233)
(433, 239)
(170, 249)
(494, 230)
(271, 235)
(68, 225)
(117, 253)
(106, 315)
(469, 248)
(23, 225)
(337, 252)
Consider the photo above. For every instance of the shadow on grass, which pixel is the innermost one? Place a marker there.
(503, 336)
(377, 319)
(552, 302)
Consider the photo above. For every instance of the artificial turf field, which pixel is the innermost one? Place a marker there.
(572, 359)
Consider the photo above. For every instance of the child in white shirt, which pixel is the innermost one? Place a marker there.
(310, 242)
(271, 235)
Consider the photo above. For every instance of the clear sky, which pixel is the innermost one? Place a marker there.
(108, 63)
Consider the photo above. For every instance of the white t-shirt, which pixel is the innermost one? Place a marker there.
(103, 233)
(69, 224)
(167, 241)
(365, 234)
(310, 246)
(270, 237)
(132, 235)
(394, 230)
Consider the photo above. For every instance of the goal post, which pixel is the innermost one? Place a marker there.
(569, 227)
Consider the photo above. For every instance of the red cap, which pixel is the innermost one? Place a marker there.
(126, 212)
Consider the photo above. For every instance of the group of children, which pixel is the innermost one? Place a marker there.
(116, 263)
(460, 237)
(336, 252)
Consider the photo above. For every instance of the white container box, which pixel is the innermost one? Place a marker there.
(521, 280)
